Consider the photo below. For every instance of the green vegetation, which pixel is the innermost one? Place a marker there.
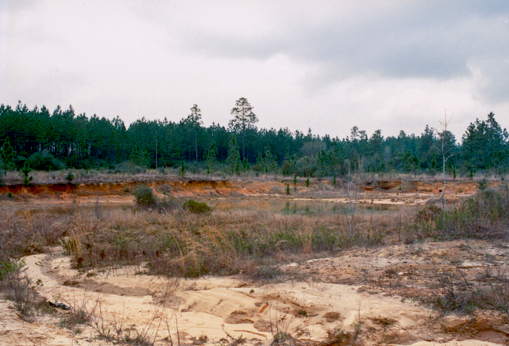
(69, 177)
(145, 199)
(27, 178)
(196, 207)
(144, 196)
(54, 141)
(7, 154)
(233, 159)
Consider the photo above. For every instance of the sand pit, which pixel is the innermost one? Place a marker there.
(363, 296)
(215, 310)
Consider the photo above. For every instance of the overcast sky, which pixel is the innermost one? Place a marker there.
(324, 65)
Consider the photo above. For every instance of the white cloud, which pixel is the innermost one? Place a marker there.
(391, 65)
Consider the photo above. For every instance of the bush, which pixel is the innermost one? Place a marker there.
(20, 289)
(69, 177)
(144, 196)
(306, 166)
(196, 207)
(128, 167)
(8, 267)
(45, 161)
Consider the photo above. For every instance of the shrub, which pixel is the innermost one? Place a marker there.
(69, 177)
(128, 167)
(196, 207)
(8, 267)
(144, 196)
(27, 178)
(268, 273)
(20, 289)
(45, 161)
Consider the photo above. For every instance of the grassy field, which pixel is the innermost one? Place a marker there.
(182, 241)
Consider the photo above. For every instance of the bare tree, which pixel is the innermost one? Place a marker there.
(194, 121)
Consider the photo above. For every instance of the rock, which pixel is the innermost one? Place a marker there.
(60, 306)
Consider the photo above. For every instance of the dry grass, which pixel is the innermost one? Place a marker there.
(25, 232)
(187, 244)
(227, 242)
(459, 295)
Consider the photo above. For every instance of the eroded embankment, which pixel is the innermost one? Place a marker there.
(236, 187)
(87, 189)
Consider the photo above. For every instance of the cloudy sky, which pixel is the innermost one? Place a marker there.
(324, 65)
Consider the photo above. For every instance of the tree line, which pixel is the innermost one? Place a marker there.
(63, 139)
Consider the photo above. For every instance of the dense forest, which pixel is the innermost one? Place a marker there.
(63, 139)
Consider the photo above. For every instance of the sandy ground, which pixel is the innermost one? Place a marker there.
(355, 293)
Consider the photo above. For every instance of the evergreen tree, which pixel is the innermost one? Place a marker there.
(8, 154)
(485, 144)
(426, 147)
(233, 159)
(27, 178)
(139, 156)
(245, 165)
(193, 122)
(211, 157)
(269, 160)
(244, 119)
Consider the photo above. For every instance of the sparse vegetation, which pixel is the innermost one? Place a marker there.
(458, 295)
(196, 207)
(20, 289)
(193, 240)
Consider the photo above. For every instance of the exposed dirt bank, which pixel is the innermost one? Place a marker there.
(377, 191)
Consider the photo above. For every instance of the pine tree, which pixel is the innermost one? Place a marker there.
(27, 178)
(211, 157)
(8, 154)
(183, 169)
(233, 159)
(244, 119)
(139, 156)
(245, 165)
(194, 121)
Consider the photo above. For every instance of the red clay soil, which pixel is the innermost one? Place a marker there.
(205, 187)
(171, 187)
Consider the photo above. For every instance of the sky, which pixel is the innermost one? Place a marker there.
(324, 65)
